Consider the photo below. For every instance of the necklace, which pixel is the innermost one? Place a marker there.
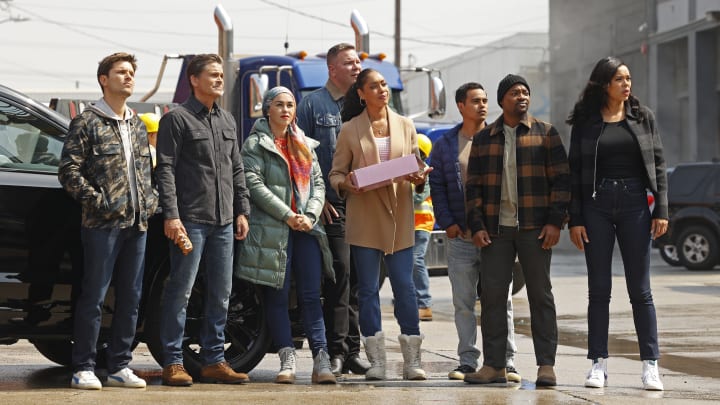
(380, 129)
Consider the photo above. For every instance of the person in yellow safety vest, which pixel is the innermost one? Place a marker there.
(152, 122)
(424, 224)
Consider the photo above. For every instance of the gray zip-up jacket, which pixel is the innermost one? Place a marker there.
(200, 171)
(94, 169)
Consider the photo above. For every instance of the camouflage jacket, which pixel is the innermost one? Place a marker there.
(93, 170)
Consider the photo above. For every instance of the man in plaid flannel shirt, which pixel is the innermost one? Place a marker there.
(517, 195)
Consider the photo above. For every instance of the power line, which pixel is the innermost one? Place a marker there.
(87, 34)
(378, 33)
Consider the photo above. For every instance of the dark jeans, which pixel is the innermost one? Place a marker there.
(399, 267)
(107, 250)
(341, 297)
(213, 244)
(304, 265)
(619, 210)
(498, 259)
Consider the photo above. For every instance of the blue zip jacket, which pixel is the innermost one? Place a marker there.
(446, 188)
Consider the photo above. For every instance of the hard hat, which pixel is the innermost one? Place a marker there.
(424, 144)
(151, 121)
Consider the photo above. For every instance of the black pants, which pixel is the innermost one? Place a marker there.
(619, 211)
(341, 298)
(498, 259)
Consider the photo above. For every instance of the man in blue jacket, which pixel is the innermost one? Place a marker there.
(449, 161)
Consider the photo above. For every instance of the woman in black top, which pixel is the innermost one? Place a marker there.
(615, 158)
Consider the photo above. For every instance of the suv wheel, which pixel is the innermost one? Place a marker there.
(697, 248)
(669, 254)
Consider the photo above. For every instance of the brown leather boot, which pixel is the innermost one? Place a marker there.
(487, 375)
(425, 314)
(223, 374)
(176, 376)
(546, 377)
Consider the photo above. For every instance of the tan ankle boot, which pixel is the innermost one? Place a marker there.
(487, 375)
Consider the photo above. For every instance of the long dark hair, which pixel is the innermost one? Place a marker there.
(352, 106)
(593, 98)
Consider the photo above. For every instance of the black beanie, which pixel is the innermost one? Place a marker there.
(507, 82)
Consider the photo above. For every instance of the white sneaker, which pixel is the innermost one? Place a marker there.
(125, 378)
(651, 376)
(597, 376)
(85, 380)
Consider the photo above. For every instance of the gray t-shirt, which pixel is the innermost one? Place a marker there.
(508, 190)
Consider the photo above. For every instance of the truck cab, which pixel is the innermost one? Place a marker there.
(300, 73)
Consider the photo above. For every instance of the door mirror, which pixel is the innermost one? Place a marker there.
(436, 97)
(258, 87)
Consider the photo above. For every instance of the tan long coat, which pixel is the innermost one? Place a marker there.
(381, 218)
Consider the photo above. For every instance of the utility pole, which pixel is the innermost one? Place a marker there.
(398, 53)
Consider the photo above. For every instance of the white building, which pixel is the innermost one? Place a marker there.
(525, 54)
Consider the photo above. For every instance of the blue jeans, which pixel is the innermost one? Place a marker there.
(421, 278)
(304, 266)
(105, 250)
(213, 244)
(498, 259)
(620, 210)
(399, 267)
(464, 268)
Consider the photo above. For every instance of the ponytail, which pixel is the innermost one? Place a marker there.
(352, 105)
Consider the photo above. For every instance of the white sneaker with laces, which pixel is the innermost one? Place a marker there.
(597, 376)
(651, 376)
(125, 378)
(85, 380)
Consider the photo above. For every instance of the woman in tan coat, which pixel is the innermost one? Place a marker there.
(380, 221)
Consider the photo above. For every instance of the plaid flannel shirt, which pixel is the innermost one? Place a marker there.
(543, 177)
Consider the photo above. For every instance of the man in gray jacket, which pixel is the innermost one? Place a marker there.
(203, 195)
(106, 167)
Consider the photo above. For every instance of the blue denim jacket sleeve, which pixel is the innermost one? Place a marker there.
(319, 116)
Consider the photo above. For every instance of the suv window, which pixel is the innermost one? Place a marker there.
(685, 180)
(26, 141)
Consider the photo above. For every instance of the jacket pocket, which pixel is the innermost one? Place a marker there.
(327, 120)
(107, 149)
(198, 135)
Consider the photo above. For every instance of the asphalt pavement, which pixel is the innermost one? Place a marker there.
(687, 303)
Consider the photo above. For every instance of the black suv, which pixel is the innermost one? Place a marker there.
(41, 259)
(694, 205)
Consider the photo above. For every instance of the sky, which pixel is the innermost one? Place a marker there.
(50, 45)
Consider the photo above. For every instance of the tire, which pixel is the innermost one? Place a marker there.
(669, 254)
(697, 248)
(518, 280)
(60, 351)
(247, 339)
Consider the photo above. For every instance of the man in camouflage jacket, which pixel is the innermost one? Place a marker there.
(106, 167)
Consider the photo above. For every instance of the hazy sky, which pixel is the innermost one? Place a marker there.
(58, 45)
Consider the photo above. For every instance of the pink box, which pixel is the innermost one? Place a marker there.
(382, 174)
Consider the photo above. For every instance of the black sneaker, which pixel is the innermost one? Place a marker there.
(459, 373)
(512, 374)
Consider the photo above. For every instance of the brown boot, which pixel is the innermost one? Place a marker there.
(546, 377)
(487, 375)
(176, 376)
(222, 373)
(425, 314)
